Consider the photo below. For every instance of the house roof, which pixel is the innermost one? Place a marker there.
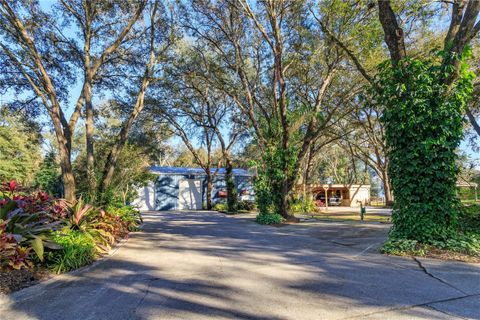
(198, 171)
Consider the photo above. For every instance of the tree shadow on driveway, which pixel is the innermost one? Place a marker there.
(201, 265)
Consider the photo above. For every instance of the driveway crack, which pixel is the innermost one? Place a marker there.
(444, 312)
(407, 307)
(147, 291)
(422, 267)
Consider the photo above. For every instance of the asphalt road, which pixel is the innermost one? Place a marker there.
(205, 265)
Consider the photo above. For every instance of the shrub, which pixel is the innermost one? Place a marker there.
(74, 232)
(78, 250)
(269, 218)
(247, 206)
(130, 216)
(220, 206)
(469, 219)
(89, 220)
(301, 205)
(401, 247)
(30, 218)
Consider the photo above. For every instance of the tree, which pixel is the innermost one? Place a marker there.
(424, 99)
(47, 177)
(39, 58)
(367, 142)
(116, 52)
(191, 114)
(92, 19)
(266, 59)
(19, 147)
(157, 50)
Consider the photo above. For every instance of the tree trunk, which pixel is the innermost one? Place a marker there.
(308, 171)
(65, 162)
(387, 188)
(394, 36)
(232, 198)
(114, 154)
(91, 179)
(209, 190)
(473, 121)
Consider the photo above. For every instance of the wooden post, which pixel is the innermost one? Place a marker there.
(326, 198)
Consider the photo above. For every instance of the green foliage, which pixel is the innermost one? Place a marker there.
(131, 172)
(277, 168)
(469, 219)
(246, 206)
(302, 205)
(269, 218)
(90, 220)
(48, 177)
(78, 250)
(401, 247)
(19, 147)
(423, 122)
(220, 206)
(130, 216)
(468, 244)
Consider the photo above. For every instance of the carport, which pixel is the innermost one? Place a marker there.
(351, 195)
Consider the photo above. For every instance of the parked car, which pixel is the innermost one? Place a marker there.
(334, 201)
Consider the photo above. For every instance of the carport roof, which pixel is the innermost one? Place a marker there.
(198, 171)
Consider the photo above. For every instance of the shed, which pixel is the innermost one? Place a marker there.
(179, 188)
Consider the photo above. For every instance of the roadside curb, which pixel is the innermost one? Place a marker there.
(39, 288)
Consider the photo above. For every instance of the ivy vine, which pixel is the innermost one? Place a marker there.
(423, 120)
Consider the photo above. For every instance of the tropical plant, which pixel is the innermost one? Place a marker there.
(89, 220)
(128, 215)
(12, 255)
(78, 249)
(29, 218)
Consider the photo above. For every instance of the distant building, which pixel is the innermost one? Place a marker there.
(350, 195)
(178, 188)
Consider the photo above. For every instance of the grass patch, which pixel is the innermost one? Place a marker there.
(352, 217)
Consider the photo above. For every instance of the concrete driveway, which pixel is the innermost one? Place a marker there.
(204, 265)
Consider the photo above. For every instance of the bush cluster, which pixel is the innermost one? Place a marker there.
(302, 205)
(241, 206)
(38, 230)
(465, 240)
(269, 218)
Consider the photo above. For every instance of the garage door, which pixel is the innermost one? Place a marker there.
(190, 194)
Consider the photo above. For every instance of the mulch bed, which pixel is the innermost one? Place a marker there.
(14, 280)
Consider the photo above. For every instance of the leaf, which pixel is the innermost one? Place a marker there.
(9, 206)
(37, 246)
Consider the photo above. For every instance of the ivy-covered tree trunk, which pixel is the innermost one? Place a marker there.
(423, 124)
(232, 198)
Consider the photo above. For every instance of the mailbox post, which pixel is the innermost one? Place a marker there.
(363, 210)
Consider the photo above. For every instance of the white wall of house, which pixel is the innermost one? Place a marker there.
(359, 194)
(145, 200)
